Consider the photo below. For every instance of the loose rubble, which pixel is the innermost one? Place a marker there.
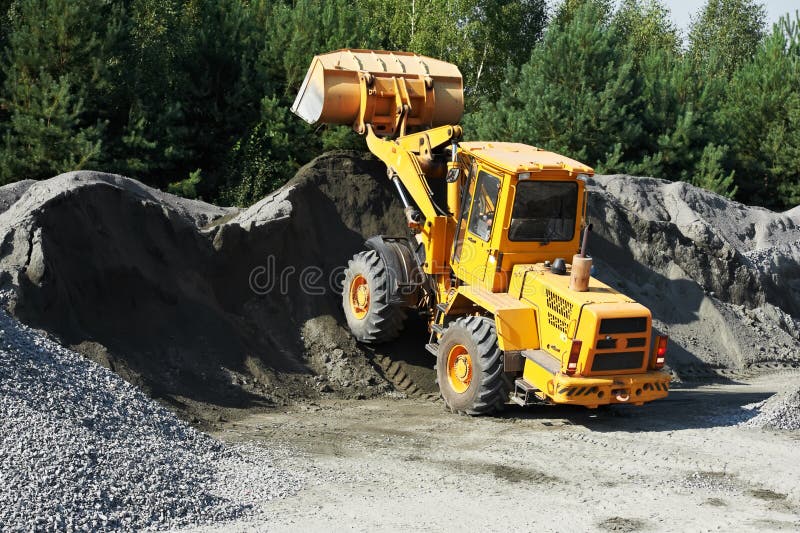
(82, 449)
(781, 412)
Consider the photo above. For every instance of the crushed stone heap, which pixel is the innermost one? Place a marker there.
(721, 278)
(81, 449)
(781, 411)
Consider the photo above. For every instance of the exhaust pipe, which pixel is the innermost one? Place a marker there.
(581, 266)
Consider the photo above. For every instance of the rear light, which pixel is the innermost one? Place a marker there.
(661, 351)
(574, 355)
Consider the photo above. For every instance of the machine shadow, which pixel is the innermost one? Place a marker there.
(682, 409)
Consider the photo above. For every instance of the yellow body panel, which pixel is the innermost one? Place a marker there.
(514, 320)
(517, 157)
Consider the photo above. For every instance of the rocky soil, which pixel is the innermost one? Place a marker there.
(680, 464)
(779, 412)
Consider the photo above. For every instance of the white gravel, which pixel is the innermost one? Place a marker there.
(81, 449)
(780, 411)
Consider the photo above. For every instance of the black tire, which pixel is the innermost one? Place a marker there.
(488, 387)
(383, 319)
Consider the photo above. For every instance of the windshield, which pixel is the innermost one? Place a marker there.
(544, 211)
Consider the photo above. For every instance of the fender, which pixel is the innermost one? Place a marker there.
(405, 277)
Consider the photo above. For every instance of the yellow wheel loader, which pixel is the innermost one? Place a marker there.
(496, 257)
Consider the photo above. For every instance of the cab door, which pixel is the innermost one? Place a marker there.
(475, 228)
(466, 201)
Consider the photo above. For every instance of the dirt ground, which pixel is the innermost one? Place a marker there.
(680, 464)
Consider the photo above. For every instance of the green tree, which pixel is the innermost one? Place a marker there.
(299, 30)
(647, 26)
(44, 135)
(573, 96)
(480, 36)
(52, 67)
(726, 33)
(710, 174)
(189, 90)
(761, 116)
(265, 159)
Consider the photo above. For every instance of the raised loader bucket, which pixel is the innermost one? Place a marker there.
(388, 90)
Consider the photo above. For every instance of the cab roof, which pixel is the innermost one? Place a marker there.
(518, 157)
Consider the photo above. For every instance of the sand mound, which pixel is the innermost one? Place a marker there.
(208, 305)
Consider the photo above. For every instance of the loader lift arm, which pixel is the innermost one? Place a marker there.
(407, 107)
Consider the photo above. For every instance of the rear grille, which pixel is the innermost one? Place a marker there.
(606, 344)
(556, 322)
(636, 342)
(617, 361)
(623, 325)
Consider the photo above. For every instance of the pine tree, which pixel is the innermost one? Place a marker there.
(573, 96)
(761, 116)
(710, 174)
(51, 67)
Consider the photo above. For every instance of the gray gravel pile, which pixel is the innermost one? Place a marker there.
(82, 449)
(721, 278)
(780, 411)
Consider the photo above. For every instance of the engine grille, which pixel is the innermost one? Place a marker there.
(617, 361)
(556, 322)
(558, 304)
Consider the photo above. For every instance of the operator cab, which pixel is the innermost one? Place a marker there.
(519, 204)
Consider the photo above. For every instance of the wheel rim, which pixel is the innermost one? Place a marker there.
(359, 296)
(459, 368)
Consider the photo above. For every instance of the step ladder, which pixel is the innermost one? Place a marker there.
(524, 393)
(436, 329)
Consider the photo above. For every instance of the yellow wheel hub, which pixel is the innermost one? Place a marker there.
(459, 368)
(359, 296)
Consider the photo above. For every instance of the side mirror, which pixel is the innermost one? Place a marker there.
(453, 173)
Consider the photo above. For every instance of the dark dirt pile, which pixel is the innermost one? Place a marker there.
(158, 288)
(205, 305)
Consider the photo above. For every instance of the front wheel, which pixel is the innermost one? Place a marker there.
(469, 367)
(366, 298)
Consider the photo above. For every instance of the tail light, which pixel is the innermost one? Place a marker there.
(661, 351)
(574, 355)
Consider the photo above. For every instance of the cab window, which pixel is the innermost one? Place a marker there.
(544, 211)
(484, 205)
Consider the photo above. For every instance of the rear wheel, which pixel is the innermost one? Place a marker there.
(371, 315)
(469, 367)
